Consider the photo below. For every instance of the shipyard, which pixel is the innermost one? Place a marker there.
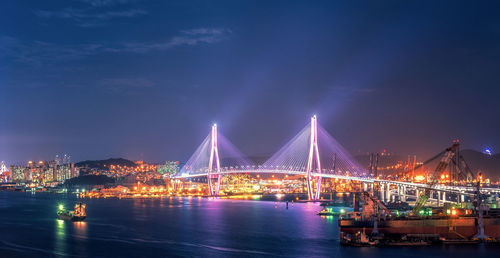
(449, 220)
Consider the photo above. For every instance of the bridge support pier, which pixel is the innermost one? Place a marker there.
(402, 193)
(313, 152)
(388, 192)
(382, 192)
(214, 153)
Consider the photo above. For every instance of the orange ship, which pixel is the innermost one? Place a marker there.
(376, 225)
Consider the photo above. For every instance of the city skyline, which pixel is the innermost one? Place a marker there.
(146, 79)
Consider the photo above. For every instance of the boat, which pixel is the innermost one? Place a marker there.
(441, 225)
(446, 229)
(329, 211)
(78, 214)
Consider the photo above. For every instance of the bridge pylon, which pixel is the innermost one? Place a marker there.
(214, 154)
(313, 155)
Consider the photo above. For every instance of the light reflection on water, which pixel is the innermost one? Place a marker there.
(80, 228)
(60, 243)
(185, 227)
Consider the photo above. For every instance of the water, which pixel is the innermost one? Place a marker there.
(184, 227)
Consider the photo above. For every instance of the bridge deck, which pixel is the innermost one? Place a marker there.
(444, 188)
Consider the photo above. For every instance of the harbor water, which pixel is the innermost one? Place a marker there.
(179, 227)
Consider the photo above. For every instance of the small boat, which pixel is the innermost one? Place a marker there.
(327, 211)
(78, 214)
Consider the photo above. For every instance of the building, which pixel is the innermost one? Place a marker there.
(20, 174)
(43, 172)
(4, 173)
(169, 168)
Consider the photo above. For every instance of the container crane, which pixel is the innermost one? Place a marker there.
(449, 153)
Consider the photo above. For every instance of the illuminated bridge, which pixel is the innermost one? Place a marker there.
(312, 153)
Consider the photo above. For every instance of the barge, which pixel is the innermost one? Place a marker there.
(375, 225)
(78, 214)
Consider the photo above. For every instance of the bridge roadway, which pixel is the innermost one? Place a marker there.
(442, 188)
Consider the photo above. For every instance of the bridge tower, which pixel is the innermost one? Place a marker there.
(214, 154)
(313, 154)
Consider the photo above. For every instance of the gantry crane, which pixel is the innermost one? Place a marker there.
(451, 157)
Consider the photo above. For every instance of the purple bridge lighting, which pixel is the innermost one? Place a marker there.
(312, 153)
(302, 155)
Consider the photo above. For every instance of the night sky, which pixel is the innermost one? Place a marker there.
(146, 79)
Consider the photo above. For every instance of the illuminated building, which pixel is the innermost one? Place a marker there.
(169, 168)
(20, 174)
(42, 172)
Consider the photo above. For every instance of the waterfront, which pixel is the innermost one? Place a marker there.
(183, 227)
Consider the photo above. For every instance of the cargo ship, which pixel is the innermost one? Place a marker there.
(376, 225)
(78, 214)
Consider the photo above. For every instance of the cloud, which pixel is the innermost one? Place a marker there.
(126, 82)
(206, 31)
(352, 89)
(79, 14)
(42, 53)
(39, 53)
(100, 3)
(6, 45)
(125, 85)
(89, 17)
(186, 37)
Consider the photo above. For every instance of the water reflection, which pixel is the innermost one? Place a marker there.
(81, 228)
(60, 243)
(80, 233)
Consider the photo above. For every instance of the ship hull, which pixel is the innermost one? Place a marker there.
(463, 228)
(71, 218)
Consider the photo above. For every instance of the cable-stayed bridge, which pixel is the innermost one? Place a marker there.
(312, 153)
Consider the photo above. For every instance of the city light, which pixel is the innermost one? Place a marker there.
(419, 178)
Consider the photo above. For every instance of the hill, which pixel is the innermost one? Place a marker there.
(104, 164)
(489, 165)
(89, 180)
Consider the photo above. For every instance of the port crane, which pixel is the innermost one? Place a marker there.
(450, 156)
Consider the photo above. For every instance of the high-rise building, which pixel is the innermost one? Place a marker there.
(20, 174)
(66, 159)
(3, 167)
(43, 172)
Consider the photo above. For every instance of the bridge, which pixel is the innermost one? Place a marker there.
(314, 154)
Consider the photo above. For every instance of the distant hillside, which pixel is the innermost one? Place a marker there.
(486, 164)
(383, 161)
(89, 180)
(104, 164)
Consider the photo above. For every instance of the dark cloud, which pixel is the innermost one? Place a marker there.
(89, 17)
(42, 53)
(125, 85)
(100, 3)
